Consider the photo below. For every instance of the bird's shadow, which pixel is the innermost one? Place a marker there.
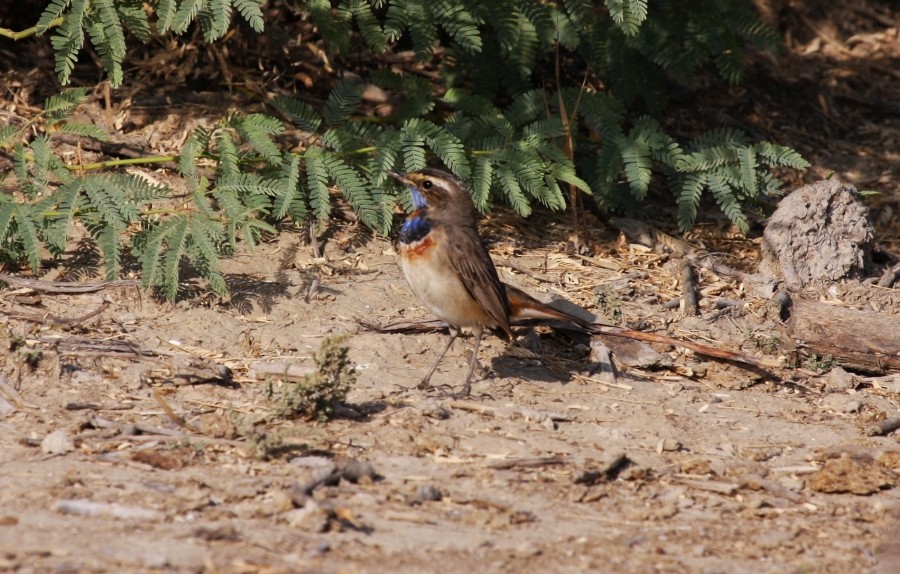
(544, 355)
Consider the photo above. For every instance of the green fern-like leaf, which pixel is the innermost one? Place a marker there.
(69, 39)
(201, 248)
(176, 243)
(250, 184)
(214, 18)
(229, 160)
(53, 11)
(579, 11)
(412, 146)
(29, 234)
(185, 14)
(636, 157)
(67, 200)
(165, 12)
(627, 14)
(387, 148)
(86, 130)
(251, 11)
(195, 145)
(513, 191)
(423, 29)
(748, 170)
(40, 147)
(134, 18)
(343, 100)
(258, 130)
(458, 21)
(334, 25)
(724, 195)
(109, 243)
(289, 200)
(104, 195)
(301, 114)
(482, 176)
(710, 158)
(369, 26)
(566, 172)
(353, 187)
(317, 183)
(111, 45)
(139, 190)
(777, 155)
(689, 200)
(444, 144)
(7, 212)
(59, 107)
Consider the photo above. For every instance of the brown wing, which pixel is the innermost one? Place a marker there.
(475, 268)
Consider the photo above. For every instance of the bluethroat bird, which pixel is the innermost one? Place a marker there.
(449, 269)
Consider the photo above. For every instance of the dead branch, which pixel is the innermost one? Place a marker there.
(66, 286)
(49, 318)
(862, 340)
(689, 305)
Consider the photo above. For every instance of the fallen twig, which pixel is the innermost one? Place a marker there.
(181, 366)
(91, 406)
(525, 413)
(528, 462)
(48, 318)
(717, 486)
(689, 305)
(91, 508)
(66, 286)
(13, 394)
(608, 472)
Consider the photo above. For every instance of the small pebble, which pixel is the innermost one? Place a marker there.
(428, 493)
(57, 442)
(356, 470)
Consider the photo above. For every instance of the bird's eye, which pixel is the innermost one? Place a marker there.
(427, 184)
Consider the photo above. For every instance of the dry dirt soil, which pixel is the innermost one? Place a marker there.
(121, 452)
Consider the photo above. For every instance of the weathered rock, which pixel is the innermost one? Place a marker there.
(57, 442)
(819, 232)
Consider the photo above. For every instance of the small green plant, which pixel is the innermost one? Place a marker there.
(32, 357)
(265, 442)
(768, 345)
(317, 394)
(609, 303)
(821, 364)
(16, 341)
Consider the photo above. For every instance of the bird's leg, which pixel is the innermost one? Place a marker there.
(426, 380)
(467, 388)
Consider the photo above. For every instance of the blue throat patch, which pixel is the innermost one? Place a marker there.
(418, 200)
(414, 229)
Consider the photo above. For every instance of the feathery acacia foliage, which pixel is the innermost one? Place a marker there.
(105, 22)
(500, 119)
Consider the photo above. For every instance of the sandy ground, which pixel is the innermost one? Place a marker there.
(724, 470)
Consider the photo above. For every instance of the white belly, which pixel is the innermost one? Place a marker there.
(437, 286)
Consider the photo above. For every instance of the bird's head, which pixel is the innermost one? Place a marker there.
(437, 190)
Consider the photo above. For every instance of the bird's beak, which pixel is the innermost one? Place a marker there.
(402, 179)
(418, 200)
